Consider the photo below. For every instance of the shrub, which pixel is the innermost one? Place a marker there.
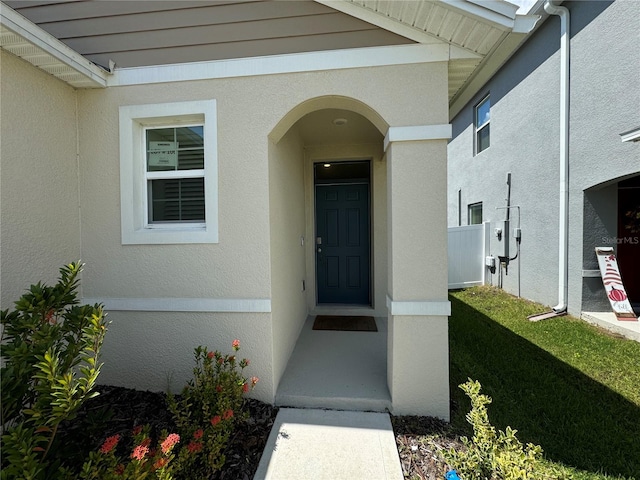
(50, 349)
(143, 462)
(208, 409)
(492, 455)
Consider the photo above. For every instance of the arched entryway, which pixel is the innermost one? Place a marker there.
(328, 188)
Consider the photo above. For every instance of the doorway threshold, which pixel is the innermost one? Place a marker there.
(347, 310)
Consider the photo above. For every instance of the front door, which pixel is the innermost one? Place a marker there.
(343, 244)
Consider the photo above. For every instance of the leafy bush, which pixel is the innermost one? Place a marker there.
(492, 455)
(207, 410)
(49, 350)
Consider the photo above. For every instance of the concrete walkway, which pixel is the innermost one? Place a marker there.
(309, 444)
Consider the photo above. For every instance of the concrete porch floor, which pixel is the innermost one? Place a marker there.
(337, 370)
(608, 320)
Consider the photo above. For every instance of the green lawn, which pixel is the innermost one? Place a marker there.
(565, 385)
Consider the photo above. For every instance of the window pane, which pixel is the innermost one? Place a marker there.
(190, 137)
(179, 148)
(483, 113)
(162, 153)
(191, 159)
(483, 140)
(176, 200)
(475, 213)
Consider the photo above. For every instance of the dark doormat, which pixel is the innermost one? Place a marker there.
(345, 323)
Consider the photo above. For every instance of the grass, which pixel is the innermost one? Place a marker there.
(563, 384)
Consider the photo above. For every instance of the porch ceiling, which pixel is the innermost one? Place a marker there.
(137, 33)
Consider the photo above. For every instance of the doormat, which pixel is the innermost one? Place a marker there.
(345, 323)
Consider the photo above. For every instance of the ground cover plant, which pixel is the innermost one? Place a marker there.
(562, 384)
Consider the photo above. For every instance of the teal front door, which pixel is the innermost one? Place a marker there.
(343, 244)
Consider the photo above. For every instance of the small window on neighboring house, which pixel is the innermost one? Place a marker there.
(475, 213)
(168, 173)
(482, 118)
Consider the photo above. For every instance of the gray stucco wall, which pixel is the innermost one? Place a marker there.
(605, 94)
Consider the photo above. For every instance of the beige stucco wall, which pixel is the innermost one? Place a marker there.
(247, 263)
(288, 269)
(265, 195)
(39, 221)
(418, 167)
(154, 350)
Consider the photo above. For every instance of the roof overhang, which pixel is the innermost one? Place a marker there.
(482, 34)
(28, 41)
(479, 37)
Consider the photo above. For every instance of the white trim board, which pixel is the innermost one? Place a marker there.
(278, 64)
(417, 133)
(431, 308)
(206, 305)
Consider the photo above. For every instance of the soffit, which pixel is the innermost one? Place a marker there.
(141, 33)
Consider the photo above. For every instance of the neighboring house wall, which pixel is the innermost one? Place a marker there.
(605, 95)
(40, 220)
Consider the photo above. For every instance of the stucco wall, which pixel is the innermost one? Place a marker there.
(288, 270)
(525, 141)
(40, 222)
(154, 350)
(240, 266)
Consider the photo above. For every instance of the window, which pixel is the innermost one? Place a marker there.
(168, 173)
(481, 122)
(475, 213)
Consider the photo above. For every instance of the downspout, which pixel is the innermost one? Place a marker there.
(563, 256)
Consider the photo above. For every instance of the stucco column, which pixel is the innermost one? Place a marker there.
(418, 308)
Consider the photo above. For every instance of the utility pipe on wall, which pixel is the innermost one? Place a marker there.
(563, 254)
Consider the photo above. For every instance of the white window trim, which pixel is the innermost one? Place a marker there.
(133, 200)
(477, 127)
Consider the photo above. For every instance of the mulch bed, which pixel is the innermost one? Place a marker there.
(117, 410)
(420, 441)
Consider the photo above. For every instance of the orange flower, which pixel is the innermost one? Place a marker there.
(169, 442)
(140, 452)
(245, 387)
(109, 444)
(228, 414)
(235, 344)
(210, 355)
(198, 434)
(215, 420)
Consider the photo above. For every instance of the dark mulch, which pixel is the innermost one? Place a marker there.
(420, 442)
(117, 410)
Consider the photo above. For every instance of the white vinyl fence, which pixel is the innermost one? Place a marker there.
(468, 247)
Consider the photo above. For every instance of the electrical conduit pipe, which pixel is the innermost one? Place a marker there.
(563, 253)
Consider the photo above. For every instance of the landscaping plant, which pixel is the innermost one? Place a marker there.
(492, 455)
(208, 409)
(50, 347)
(144, 461)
